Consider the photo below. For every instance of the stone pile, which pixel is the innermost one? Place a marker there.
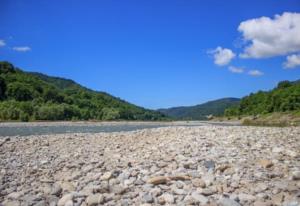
(208, 165)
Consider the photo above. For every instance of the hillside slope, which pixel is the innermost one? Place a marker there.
(283, 98)
(199, 112)
(35, 96)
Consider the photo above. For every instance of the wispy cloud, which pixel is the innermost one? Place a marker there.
(271, 37)
(2, 43)
(292, 61)
(255, 72)
(222, 56)
(234, 69)
(22, 48)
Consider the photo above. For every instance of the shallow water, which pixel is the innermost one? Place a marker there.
(41, 129)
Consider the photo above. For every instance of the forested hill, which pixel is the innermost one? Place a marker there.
(34, 96)
(199, 112)
(284, 98)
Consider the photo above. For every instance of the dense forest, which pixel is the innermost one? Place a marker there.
(29, 96)
(284, 98)
(201, 111)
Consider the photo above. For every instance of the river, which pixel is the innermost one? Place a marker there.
(41, 128)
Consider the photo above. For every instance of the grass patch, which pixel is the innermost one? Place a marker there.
(274, 120)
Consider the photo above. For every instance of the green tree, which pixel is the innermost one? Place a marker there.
(9, 110)
(6, 67)
(2, 88)
(284, 84)
(233, 111)
(110, 114)
(19, 91)
(24, 117)
(52, 95)
(49, 112)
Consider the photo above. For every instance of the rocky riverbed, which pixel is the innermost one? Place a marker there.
(207, 165)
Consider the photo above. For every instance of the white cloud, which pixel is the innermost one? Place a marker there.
(235, 69)
(255, 73)
(292, 61)
(2, 43)
(271, 37)
(22, 48)
(222, 56)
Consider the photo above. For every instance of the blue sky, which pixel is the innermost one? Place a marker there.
(156, 53)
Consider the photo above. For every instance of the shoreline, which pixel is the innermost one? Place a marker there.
(216, 165)
(29, 129)
(104, 123)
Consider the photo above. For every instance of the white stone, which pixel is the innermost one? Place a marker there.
(94, 199)
(62, 201)
(106, 176)
(200, 198)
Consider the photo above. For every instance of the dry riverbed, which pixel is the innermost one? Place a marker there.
(207, 165)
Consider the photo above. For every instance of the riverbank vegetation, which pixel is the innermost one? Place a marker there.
(280, 106)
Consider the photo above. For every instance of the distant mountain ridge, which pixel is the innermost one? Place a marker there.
(201, 111)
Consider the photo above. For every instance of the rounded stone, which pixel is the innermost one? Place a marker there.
(62, 201)
(94, 199)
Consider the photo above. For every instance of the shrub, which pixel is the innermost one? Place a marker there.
(19, 91)
(2, 88)
(110, 114)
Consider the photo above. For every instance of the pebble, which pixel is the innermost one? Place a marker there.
(12, 203)
(209, 179)
(224, 167)
(14, 196)
(62, 201)
(147, 198)
(66, 187)
(68, 203)
(106, 176)
(158, 180)
(118, 189)
(246, 197)
(265, 163)
(198, 183)
(292, 153)
(199, 198)
(260, 187)
(208, 191)
(179, 191)
(262, 203)
(210, 165)
(155, 192)
(166, 198)
(292, 203)
(94, 199)
(278, 199)
(56, 190)
(296, 175)
(228, 202)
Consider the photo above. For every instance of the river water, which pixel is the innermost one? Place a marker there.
(25, 129)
